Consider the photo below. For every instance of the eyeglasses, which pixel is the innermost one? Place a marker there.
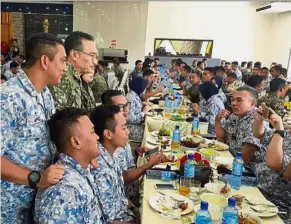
(123, 106)
(92, 55)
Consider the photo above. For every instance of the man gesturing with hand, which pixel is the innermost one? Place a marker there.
(26, 149)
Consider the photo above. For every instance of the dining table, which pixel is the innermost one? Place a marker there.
(150, 215)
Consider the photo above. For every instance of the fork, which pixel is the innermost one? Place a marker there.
(265, 210)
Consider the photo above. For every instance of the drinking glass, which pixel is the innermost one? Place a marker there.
(184, 188)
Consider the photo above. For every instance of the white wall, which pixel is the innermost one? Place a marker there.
(124, 22)
(238, 31)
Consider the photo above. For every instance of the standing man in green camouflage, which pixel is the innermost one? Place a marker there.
(82, 58)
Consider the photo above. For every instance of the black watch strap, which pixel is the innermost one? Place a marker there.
(282, 133)
(34, 178)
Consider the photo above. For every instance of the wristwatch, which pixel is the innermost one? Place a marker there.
(282, 133)
(33, 178)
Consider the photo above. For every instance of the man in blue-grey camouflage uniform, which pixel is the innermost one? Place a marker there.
(110, 126)
(73, 199)
(26, 149)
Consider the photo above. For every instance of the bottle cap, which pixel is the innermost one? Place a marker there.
(231, 201)
(239, 154)
(195, 114)
(190, 156)
(177, 127)
(204, 205)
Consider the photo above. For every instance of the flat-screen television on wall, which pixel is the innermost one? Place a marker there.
(183, 47)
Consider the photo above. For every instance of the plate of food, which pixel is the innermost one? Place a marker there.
(218, 188)
(153, 141)
(170, 202)
(215, 212)
(214, 199)
(190, 143)
(219, 146)
(168, 159)
(248, 218)
(177, 117)
(208, 154)
(164, 134)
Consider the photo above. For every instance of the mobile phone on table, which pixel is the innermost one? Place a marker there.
(151, 151)
(165, 187)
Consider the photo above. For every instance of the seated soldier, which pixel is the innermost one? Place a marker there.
(72, 200)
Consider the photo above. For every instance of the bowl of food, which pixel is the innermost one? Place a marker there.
(208, 154)
(190, 143)
(219, 146)
(164, 134)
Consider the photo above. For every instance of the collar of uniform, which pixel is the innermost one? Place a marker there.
(105, 155)
(247, 116)
(26, 83)
(72, 70)
(69, 161)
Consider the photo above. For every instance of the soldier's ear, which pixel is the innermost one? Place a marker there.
(44, 61)
(75, 142)
(74, 55)
(107, 134)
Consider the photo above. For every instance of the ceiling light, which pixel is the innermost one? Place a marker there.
(93, 6)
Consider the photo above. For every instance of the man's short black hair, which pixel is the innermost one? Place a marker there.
(107, 95)
(74, 41)
(178, 62)
(20, 55)
(14, 64)
(147, 72)
(41, 44)
(199, 63)
(243, 63)
(60, 124)
(223, 61)
(250, 63)
(253, 92)
(156, 59)
(204, 59)
(277, 84)
(137, 61)
(265, 68)
(277, 68)
(197, 72)
(255, 80)
(187, 69)
(104, 64)
(103, 118)
(227, 63)
(210, 69)
(219, 68)
(232, 75)
(194, 61)
(258, 64)
(234, 63)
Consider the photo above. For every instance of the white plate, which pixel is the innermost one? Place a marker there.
(223, 146)
(214, 199)
(154, 204)
(223, 160)
(270, 211)
(216, 188)
(215, 211)
(153, 141)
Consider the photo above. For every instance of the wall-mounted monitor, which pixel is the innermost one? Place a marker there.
(183, 47)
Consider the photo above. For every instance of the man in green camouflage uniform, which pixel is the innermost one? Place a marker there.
(118, 69)
(275, 99)
(82, 58)
(98, 86)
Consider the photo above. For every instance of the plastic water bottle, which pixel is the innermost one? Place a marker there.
(177, 102)
(165, 90)
(230, 215)
(195, 125)
(203, 216)
(176, 139)
(189, 167)
(237, 170)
